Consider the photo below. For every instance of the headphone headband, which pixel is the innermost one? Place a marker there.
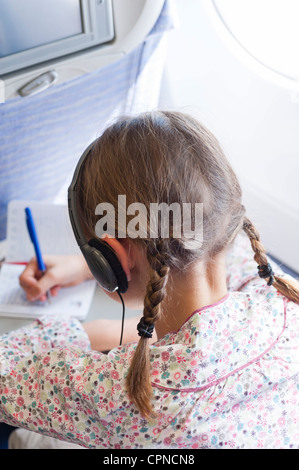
(72, 199)
(100, 257)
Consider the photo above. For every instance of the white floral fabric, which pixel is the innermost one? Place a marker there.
(228, 378)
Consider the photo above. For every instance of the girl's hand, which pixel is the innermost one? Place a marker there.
(62, 271)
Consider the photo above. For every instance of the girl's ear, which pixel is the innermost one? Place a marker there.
(123, 252)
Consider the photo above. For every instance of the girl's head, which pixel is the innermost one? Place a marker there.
(164, 157)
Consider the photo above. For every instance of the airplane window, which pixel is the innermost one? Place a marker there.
(267, 30)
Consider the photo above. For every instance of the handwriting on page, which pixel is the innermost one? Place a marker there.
(56, 237)
(73, 301)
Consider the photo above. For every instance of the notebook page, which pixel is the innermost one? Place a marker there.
(73, 301)
(53, 228)
(56, 237)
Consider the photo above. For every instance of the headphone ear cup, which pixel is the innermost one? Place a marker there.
(113, 262)
(99, 267)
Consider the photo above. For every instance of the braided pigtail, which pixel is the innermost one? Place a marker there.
(139, 379)
(289, 289)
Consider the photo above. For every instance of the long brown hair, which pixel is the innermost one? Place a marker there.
(167, 157)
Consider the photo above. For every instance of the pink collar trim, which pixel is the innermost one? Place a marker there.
(206, 307)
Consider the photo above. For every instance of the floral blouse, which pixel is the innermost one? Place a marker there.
(228, 378)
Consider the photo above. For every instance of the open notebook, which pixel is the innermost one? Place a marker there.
(55, 237)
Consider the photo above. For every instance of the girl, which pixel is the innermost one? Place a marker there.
(221, 370)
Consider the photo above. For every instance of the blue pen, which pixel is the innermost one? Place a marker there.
(33, 236)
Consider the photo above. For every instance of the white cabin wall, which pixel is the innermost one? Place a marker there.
(256, 121)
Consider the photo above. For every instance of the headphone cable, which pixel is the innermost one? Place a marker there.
(123, 318)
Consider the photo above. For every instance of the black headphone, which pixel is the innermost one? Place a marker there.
(100, 257)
